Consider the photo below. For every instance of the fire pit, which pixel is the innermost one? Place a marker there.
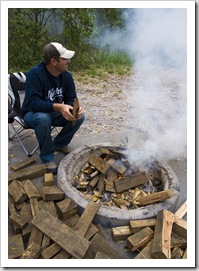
(111, 215)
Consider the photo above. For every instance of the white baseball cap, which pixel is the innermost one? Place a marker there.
(64, 53)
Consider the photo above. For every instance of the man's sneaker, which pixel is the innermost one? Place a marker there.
(64, 149)
(51, 167)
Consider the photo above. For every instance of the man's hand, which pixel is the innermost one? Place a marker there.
(80, 113)
(64, 109)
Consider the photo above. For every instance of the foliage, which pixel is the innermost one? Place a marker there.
(31, 28)
(78, 27)
(26, 36)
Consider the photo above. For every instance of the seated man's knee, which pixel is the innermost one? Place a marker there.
(43, 119)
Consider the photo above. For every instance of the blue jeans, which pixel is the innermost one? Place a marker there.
(42, 123)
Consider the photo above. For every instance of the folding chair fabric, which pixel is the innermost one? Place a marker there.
(16, 84)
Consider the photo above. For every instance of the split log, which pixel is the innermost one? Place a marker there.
(140, 239)
(100, 184)
(18, 220)
(62, 255)
(120, 233)
(100, 230)
(137, 225)
(98, 163)
(86, 218)
(182, 210)
(95, 173)
(51, 251)
(155, 197)
(45, 242)
(130, 181)
(17, 192)
(111, 176)
(32, 251)
(66, 208)
(11, 205)
(178, 241)
(92, 230)
(71, 221)
(34, 206)
(162, 237)
(98, 243)
(112, 151)
(36, 236)
(177, 253)
(18, 206)
(48, 179)
(23, 164)
(48, 206)
(12, 210)
(61, 234)
(28, 173)
(145, 253)
(15, 246)
(30, 189)
(25, 212)
(94, 181)
(49, 193)
(119, 166)
(180, 226)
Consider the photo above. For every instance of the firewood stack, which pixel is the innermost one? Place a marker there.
(163, 237)
(47, 225)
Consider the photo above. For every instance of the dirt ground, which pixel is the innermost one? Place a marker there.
(106, 105)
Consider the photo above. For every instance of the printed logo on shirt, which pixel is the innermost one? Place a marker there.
(55, 95)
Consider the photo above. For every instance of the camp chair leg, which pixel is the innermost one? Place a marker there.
(29, 154)
(16, 131)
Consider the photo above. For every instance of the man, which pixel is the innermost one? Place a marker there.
(49, 96)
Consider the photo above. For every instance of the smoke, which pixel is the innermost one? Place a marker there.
(157, 41)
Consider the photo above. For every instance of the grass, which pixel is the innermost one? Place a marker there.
(103, 65)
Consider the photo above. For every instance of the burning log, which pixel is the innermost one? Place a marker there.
(94, 181)
(99, 163)
(130, 181)
(156, 197)
(100, 184)
(109, 182)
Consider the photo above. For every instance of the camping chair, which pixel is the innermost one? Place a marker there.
(16, 90)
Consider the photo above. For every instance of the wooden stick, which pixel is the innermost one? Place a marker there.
(182, 210)
(75, 110)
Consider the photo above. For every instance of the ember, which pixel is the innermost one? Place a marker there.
(108, 177)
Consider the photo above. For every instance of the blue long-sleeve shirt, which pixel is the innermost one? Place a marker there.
(43, 89)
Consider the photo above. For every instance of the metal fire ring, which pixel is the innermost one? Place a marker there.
(109, 216)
